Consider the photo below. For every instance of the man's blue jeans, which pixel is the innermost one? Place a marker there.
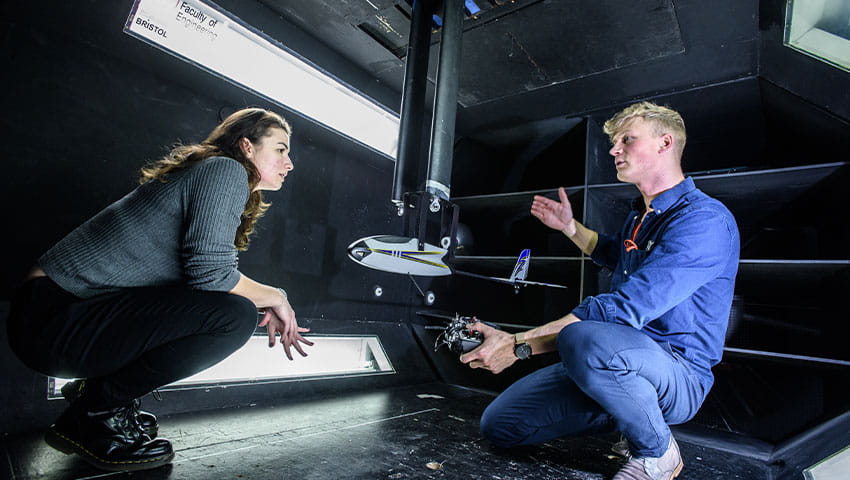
(611, 377)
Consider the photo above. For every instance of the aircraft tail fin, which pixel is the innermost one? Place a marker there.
(521, 267)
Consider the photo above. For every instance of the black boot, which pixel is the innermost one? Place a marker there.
(146, 420)
(109, 439)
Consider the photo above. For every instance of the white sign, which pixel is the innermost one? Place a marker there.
(219, 42)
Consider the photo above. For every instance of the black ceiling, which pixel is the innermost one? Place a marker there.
(533, 59)
(509, 48)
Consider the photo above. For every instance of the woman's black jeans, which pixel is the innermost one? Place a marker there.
(128, 343)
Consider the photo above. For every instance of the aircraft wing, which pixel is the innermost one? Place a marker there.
(507, 281)
(540, 284)
(517, 277)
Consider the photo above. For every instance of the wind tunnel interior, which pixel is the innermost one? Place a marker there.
(87, 105)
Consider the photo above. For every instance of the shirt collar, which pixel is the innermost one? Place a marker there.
(668, 198)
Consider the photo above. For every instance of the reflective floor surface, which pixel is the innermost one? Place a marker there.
(424, 431)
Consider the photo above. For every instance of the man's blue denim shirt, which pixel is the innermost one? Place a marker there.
(677, 285)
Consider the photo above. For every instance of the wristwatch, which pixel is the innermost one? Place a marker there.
(522, 350)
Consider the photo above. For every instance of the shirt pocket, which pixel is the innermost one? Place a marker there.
(633, 260)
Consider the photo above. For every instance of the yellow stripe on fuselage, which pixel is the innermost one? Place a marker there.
(407, 256)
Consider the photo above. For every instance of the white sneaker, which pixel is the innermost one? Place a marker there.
(665, 467)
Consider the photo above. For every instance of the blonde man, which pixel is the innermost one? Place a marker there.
(638, 358)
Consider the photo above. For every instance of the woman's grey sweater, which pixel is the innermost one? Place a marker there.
(180, 232)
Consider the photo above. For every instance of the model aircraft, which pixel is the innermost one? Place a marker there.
(403, 255)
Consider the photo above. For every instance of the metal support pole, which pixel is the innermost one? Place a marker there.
(413, 102)
(445, 101)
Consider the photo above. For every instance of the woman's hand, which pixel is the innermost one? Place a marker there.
(281, 320)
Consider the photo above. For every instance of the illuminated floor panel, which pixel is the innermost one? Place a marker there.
(330, 356)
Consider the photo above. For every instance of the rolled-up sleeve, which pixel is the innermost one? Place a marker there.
(607, 251)
(214, 200)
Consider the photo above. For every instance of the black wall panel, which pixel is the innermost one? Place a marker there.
(720, 43)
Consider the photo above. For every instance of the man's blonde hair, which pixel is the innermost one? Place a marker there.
(663, 119)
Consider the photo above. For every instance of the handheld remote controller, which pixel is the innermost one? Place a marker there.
(458, 338)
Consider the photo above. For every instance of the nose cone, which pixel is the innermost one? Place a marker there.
(358, 251)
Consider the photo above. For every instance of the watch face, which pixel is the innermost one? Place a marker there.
(522, 351)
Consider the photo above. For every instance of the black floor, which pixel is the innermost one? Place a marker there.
(426, 431)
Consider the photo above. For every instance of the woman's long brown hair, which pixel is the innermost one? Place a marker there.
(250, 123)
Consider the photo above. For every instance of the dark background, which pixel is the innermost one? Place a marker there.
(86, 105)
